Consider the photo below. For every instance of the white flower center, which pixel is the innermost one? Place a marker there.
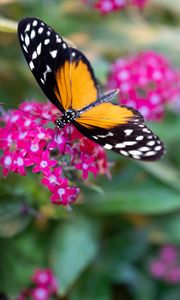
(34, 147)
(61, 192)
(27, 122)
(52, 178)
(41, 135)
(22, 135)
(14, 118)
(43, 164)
(20, 161)
(41, 294)
(28, 107)
(85, 166)
(8, 160)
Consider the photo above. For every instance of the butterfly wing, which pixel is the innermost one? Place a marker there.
(64, 73)
(121, 129)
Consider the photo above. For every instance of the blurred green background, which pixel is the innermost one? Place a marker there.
(102, 248)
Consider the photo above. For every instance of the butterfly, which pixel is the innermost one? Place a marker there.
(66, 77)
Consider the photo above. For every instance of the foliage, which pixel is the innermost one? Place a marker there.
(103, 246)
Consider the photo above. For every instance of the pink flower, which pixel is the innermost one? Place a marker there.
(173, 275)
(64, 194)
(40, 293)
(169, 253)
(44, 286)
(108, 6)
(158, 268)
(87, 165)
(26, 142)
(43, 163)
(52, 178)
(18, 163)
(146, 82)
(43, 277)
(166, 266)
(6, 162)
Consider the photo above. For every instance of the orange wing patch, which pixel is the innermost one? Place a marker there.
(63, 88)
(105, 115)
(75, 85)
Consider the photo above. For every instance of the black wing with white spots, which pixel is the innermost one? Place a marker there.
(45, 52)
(134, 139)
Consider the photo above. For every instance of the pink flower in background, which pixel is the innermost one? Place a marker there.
(108, 6)
(44, 286)
(26, 142)
(166, 265)
(40, 293)
(146, 82)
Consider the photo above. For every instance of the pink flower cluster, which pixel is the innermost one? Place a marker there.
(166, 266)
(146, 82)
(108, 6)
(27, 141)
(44, 286)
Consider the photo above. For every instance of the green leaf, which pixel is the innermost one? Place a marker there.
(93, 285)
(12, 221)
(165, 172)
(154, 200)
(74, 247)
(20, 255)
(168, 228)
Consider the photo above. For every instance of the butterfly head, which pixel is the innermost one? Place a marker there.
(67, 117)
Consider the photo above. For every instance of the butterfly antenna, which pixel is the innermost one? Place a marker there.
(25, 112)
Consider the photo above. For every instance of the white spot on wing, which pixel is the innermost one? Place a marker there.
(40, 30)
(25, 48)
(128, 131)
(146, 130)
(22, 38)
(124, 153)
(48, 70)
(53, 53)
(120, 145)
(27, 27)
(35, 23)
(33, 34)
(135, 152)
(150, 153)
(151, 143)
(31, 65)
(42, 80)
(144, 149)
(64, 46)
(108, 146)
(157, 148)
(47, 41)
(139, 138)
(95, 137)
(34, 55)
(58, 39)
(130, 143)
(27, 40)
(105, 135)
(39, 49)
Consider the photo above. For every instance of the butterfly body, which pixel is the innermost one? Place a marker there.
(67, 79)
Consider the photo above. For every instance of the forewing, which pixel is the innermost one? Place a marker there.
(120, 129)
(46, 53)
(64, 73)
